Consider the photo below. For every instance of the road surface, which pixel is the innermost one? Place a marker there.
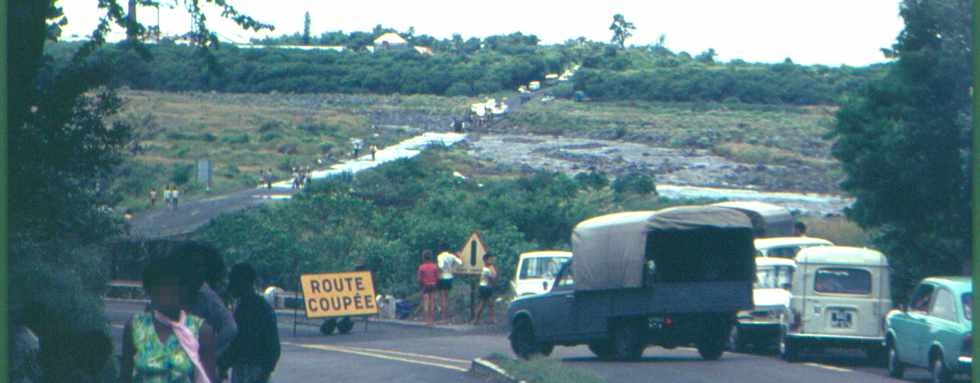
(386, 352)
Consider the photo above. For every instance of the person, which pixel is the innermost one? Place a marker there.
(209, 267)
(153, 197)
(175, 194)
(487, 276)
(800, 229)
(448, 262)
(427, 277)
(166, 343)
(167, 196)
(268, 178)
(254, 353)
(295, 178)
(374, 151)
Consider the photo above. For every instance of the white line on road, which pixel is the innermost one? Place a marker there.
(451, 360)
(826, 367)
(379, 355)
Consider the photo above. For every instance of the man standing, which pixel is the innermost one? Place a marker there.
(207, 263)
(448, 262)
(254, 353)
(175, 194)
(167, 196)
(153, 197)
(427, 276)
(487, 277)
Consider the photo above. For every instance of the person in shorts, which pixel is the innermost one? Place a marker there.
(447, 262)
(427, 276)
(487, 277)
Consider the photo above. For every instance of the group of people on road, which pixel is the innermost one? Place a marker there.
(436, 275)
(187, 333)
(301, 176)
(171, 195)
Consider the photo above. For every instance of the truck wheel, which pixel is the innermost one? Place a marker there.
(328, 326)
(546, 349)
(896, 368)
(736, 343)
(627, 343)
(788, 349)
(522, 340)
(345, 325)
(603, 349)
(940, 373)
(711, 345)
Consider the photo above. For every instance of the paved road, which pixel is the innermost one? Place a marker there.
(390, 352)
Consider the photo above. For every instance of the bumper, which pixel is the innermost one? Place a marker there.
(839, 341)
(965, 363)
(758, 329)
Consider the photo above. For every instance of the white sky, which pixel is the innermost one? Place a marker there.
(830, 32)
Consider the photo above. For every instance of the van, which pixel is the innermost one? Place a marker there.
(760, 326)
(536, 271)
(786, 247)
(840, 297)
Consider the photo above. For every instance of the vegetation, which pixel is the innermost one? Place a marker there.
(542, 370)
(914, 187)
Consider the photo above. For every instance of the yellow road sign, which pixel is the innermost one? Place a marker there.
(338, 294)
(472, 255)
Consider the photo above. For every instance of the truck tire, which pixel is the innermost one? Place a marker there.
(344, 325)
(736, 342)
(602, 349)
(328, 326)
(522, 340)
(627, 341)
(896, 368)
(788, 349)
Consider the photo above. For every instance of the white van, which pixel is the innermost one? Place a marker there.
(840, 297)
(760, 326)
(536, 271)
(786, 247)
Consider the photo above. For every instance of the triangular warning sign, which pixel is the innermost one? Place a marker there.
(472, 254)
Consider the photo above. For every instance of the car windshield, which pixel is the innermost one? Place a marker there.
(843, 281)
(541, 267)
(968, 306)
(773, 277)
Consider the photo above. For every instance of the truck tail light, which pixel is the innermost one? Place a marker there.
(668, 321)
(967, 349)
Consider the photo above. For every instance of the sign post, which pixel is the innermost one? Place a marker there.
(338, 294)
(472, 256)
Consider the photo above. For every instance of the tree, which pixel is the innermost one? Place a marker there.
(306, 29)
(707, 57)
(64, 148)
(621, 30)
(903, 142)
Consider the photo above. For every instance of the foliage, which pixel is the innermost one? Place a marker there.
(543, 370)
(913, 187)
(634, 182)
(621, 29)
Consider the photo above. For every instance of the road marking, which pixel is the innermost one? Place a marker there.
(433, 357)
(832, 368)
(379, 355)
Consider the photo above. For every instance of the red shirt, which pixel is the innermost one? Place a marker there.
(428, 273)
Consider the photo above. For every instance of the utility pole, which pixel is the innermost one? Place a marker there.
(131, 22)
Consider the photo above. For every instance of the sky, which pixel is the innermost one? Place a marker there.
(828, 32)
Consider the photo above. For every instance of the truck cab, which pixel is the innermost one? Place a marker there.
(536, 271)
(671, 277)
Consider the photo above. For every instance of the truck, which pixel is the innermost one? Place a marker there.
(671, 277)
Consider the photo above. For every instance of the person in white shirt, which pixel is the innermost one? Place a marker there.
(447, 262)
(487, 277)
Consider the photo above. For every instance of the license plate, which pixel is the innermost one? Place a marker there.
(841, 318)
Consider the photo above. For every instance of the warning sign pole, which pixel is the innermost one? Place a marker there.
(473, 284)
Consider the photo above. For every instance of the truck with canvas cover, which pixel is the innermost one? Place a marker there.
(768, 220)
(671, 277)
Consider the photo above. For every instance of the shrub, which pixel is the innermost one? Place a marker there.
(241, 138)
(269, 136)
(209, 137)
(181, 173)
(593, 179)
(634, 182)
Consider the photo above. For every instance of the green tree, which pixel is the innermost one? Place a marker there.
(306, 29)
(621, 29)
(903, 142)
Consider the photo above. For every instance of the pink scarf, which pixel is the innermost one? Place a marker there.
(188, 341)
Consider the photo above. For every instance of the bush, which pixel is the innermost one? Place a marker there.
(241, 138)
(208, 137)
(634, 182)
(180, 174)
(595, 180)
(312, 127)
(269, 136)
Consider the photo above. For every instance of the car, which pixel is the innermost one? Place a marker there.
(760, 326)
(536, 271)
(840, 295)
(786, 247)
(671, 277)
(934, 330)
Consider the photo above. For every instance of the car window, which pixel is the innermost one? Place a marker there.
(541, 267)
(921, 298)
(842, 281)
(943, 307)
(967, 300)
(566, 279)
(784, 252)
(773, 277)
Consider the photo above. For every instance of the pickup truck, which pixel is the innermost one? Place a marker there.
(670, 277)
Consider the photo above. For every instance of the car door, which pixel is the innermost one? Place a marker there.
(943, 324)
(911, 329)
(555, 308)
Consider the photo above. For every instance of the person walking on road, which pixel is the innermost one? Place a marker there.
(374, 151)
(165, 343)
(254, 353)
(487, 276)
(448, 262)
(207, 263)
(268, 178)
(427, 276)
(153, 197)
(175, 194)
(167, 196)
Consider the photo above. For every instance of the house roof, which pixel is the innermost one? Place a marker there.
(391, 38)
(423, 50)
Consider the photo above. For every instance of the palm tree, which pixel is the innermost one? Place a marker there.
(621, 30)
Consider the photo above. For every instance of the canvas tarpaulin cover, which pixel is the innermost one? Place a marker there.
(609, 251)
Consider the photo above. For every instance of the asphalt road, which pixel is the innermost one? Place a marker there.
(386, 352)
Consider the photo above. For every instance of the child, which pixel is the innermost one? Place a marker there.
(487, 277)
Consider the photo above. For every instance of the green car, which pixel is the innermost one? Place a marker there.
(934, 330)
